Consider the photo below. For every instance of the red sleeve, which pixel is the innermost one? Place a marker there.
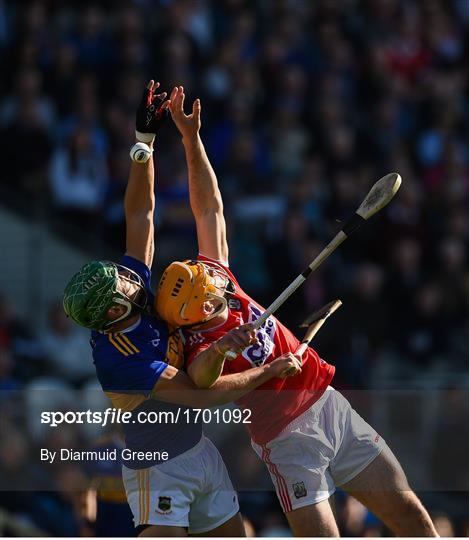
(192, 352)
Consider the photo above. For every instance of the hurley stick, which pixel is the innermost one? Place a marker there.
(378, 197)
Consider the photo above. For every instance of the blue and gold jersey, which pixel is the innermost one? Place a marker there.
(129, 364)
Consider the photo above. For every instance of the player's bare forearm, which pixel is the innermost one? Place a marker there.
(207, 367)
(176, 387)
(203, 185)
(139, 195)
(231, 387)
(139, 204)
(234, 386)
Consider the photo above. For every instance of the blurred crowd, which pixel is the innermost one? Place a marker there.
(304, 105)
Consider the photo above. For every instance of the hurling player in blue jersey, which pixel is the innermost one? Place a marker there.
(138, 356)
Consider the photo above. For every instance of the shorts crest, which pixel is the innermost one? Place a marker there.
(299, 490)
(164, 505)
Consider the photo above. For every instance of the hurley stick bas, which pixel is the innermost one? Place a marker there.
(314, 322)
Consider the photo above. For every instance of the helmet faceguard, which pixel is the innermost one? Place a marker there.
(186, 286)
(97, 287)
(135, 303)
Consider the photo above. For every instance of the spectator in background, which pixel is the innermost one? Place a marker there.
(28, 93)
(450, 437)
(364, 327)
(19, 476)
(60, 511)
(113, 515)
(357, 520)
(17, 468)
(11, 327)
(129, 43)
(78, 178)
(8, 382)
(66, 349)
(90, 41)
(62, 80)
(175, 49)
(224, 130)
(405, 274)
(26, 119)
(443, 524)
(290, 141)
(22, 353)
(85, 115)
(423, 335)
(273, 525)
(453, 279)
(3, 24)
(113, 211)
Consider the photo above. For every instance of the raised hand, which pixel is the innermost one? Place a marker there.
(151, 112)
(187, 124)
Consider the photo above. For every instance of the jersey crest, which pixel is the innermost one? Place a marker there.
(196, 339)
(234, 303)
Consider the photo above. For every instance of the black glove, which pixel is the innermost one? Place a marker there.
(150, 113)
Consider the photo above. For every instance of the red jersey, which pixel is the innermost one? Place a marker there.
(277, 402)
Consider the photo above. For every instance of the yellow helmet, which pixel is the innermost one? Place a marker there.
(185, 287)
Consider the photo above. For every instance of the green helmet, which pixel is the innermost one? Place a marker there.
(94, 289)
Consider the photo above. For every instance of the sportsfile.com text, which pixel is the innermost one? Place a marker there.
(117, 416)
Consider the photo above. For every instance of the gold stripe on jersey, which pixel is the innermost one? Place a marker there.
(123, 343)
(118, 346)
(126, 339)
(126, 402)
(175, 350)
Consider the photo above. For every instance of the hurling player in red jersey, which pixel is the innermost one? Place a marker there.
(305, 431)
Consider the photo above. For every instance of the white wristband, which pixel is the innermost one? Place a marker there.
(140, 152)
(144, 137)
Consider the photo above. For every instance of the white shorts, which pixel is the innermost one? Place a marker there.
(191, 490)
(326, 446)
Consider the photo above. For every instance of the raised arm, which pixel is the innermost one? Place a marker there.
(139, 202)
(205, 197)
